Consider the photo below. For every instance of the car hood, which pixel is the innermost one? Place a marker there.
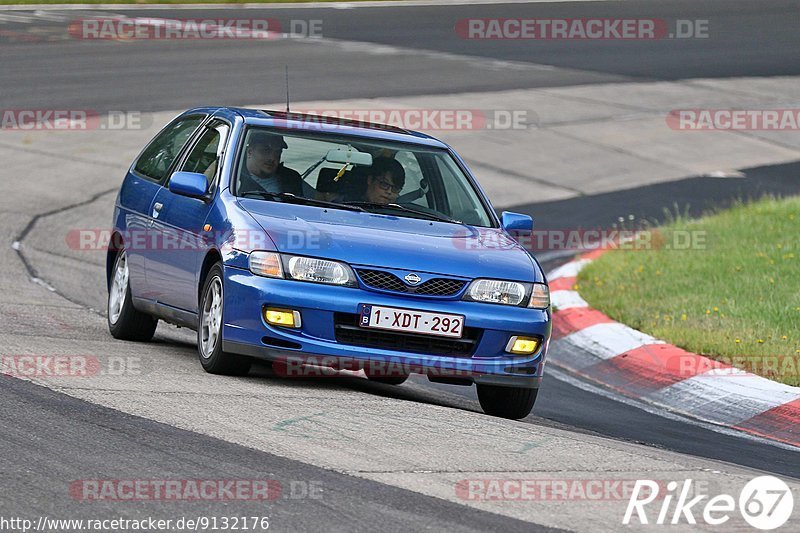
(393, 242)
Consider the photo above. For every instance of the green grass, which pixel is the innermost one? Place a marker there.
(735, 299)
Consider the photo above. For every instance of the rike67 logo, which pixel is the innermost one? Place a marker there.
(765, 503)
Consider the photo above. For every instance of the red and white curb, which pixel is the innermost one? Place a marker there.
(645, 368)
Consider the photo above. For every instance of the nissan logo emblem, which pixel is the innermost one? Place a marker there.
(412, 279)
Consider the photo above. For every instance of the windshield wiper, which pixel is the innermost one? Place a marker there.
(291, 198)
(398, 207)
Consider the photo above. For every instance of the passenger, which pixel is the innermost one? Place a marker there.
(263, 170)
(385, 180)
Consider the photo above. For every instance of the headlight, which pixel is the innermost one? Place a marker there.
(275, 265)
(319, 270)
(496, 291)
(266, 264)
(540, 296)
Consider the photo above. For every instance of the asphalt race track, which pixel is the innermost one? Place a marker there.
(750, 39)
(388, 458)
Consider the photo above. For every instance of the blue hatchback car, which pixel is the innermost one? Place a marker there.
(320, 244)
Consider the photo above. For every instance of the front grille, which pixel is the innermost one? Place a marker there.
(349, 332)
(440, 287)
(379, 279)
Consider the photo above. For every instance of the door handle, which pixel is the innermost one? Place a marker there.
(157, 209)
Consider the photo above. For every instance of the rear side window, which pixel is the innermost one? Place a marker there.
(162, 151)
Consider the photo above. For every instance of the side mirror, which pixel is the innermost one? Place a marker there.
(516, 222)
(191, 184)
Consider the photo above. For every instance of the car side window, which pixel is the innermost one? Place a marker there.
(206, 155)
(461, 204)
(165, 147)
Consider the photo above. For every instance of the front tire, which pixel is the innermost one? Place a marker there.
(124, 321)
(506, 402)
(209, 330)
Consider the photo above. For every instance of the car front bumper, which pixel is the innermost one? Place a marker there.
(322, 306)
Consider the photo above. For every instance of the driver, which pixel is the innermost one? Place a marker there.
(263, 170)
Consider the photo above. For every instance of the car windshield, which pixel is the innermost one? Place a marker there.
(400, 179)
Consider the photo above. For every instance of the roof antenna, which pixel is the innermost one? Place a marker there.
(286, 67)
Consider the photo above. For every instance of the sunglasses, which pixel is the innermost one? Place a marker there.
(389, 186)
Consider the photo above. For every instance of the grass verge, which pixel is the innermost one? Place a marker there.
(733, 295)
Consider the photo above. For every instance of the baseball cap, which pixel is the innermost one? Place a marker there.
(259, 138)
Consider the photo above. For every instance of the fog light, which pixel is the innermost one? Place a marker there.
(522, 345)
(282, 317)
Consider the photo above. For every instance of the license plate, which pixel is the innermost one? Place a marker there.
(412, 321)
